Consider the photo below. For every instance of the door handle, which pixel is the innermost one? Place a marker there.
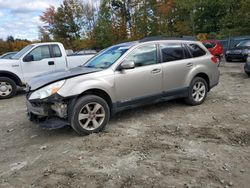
(51, 63)
(190, 64)
(155, 71)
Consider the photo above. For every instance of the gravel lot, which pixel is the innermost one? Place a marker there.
(163, 145)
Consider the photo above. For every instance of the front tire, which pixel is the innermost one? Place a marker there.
(89, 115)
(197, 91)
(8, 88)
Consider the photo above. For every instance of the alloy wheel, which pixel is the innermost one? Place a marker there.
(91, 116)
(199, 91)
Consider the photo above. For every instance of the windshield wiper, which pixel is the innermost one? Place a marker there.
(88, 66)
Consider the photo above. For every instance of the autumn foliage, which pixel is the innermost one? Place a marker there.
(98, 24)
(12, 44)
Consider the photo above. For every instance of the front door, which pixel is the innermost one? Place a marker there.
(144, 80)
(42, 62)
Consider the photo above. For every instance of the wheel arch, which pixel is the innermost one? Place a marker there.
(100, 93)
(12, 76)
(205, 77)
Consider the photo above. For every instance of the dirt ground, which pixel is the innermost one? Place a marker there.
(163, 145)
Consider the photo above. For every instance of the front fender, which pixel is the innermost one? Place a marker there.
(11, 68)
(12, 76)
(78, 85)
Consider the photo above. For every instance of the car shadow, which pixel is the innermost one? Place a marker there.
(138, 112)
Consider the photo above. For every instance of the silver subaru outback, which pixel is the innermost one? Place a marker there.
(122, 77)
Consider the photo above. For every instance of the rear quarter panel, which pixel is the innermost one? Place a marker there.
(204, 65)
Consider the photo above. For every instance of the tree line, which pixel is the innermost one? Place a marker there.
(11, 44)
(98, 24)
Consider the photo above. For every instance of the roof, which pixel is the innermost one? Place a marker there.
(45, 43)
(157, 38)
(126, 44)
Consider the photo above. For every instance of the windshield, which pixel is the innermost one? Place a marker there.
(107, 58)
(244, 43)
(22, 52)
(8, 55)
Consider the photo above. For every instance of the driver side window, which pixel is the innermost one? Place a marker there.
(144, 55)
(41, 52)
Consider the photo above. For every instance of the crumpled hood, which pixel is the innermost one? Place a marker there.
(50, 77)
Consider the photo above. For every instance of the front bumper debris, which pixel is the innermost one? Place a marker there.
(53, 123)
(41, 111)
(51, 113)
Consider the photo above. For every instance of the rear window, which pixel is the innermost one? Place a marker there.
(56, 51)
(196, 50)
(209, 45)
(186, 52)
(172, 52)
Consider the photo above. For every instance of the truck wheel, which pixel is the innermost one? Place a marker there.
(7, 88)
(197, 91)
(89, 115)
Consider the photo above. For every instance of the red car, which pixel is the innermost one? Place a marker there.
(215, 48)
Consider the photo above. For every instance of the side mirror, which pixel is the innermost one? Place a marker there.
(29, 58)
(127, 65)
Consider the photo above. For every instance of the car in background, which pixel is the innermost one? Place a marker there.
(247, 66)
(8, 55)
(215, 48)
(33, 60)
(69, 52)
(239, 52)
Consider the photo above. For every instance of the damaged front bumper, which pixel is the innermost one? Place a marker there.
(51, 112)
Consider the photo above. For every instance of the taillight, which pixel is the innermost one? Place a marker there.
(214, 59)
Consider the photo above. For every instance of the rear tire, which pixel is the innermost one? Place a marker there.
(8, 88)
(197, 91)
(89, 115)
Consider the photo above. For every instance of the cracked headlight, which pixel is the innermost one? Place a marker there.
(47, 90)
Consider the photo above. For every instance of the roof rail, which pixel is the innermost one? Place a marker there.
(155, 38)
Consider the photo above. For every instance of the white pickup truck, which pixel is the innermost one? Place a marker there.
(33, 60)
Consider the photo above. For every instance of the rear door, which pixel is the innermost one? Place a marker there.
(176, 64)
(42, 62)
(58, 58)
(144, 80)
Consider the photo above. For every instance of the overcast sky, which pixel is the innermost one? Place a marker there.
(20, 18)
